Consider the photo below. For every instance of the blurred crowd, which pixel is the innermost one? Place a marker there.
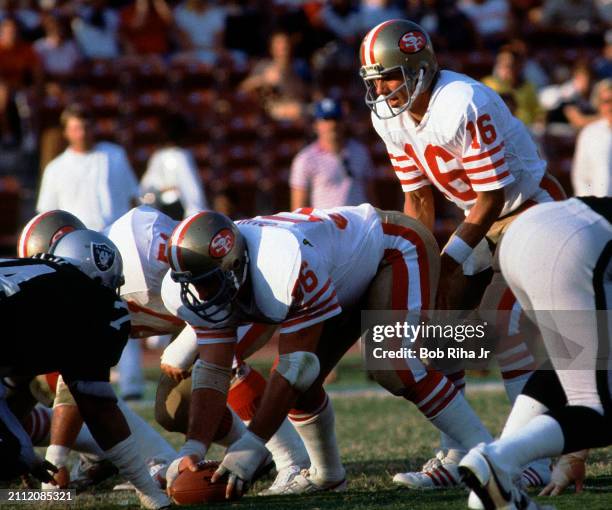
(226, 88)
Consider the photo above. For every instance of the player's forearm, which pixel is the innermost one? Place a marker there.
(65, 425)
(205, 413)
(420, 206)
(278, 399)
(481, 217)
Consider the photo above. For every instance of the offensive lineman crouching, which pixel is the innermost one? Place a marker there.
(80, 327)
(311, 272)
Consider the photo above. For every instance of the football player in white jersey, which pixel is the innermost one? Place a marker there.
(444, 129)
(557, 259)
(141, 236)
(311, 272)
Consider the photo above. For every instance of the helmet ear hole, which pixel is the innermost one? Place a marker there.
(236, 264)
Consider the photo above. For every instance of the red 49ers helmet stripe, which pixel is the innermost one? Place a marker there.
(208, 258)
(367, 48)
(44, 229)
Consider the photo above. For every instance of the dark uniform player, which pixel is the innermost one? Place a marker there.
(62, 313)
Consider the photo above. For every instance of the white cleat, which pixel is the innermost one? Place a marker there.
(283, 479)
(303, 483)
(437, 473)
(491, 485)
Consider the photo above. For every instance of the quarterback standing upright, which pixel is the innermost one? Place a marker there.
(445, 129)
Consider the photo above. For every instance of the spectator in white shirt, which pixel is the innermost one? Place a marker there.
(334, 170)
(93, 181)
(592, 167)
(171, 181)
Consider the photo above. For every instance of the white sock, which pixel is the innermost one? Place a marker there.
(461, 423)
(318, 432)
(523, 411)
(287, 447)
(127, 457)
(85, 443)
(150, 443)
(451, 447)
(541, 437)
(131, 380)
(236, 431)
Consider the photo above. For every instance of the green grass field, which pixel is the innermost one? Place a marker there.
(378, 437)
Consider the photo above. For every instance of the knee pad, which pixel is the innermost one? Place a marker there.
(207, 375)
(300, 369)
(98, 389)
(62, 394)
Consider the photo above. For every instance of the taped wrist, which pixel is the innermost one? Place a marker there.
(457, 249)
(300, 369)
(181, 353)
(211, 376)
(57, 455)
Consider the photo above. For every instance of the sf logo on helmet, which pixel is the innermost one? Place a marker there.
(103, 256)
(222, 243)
(412, 42)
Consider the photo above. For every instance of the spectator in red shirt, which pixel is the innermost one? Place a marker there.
(144, 27)
(20, 65)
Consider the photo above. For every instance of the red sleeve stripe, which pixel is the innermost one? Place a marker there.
(499, 177)
(399, 158)
(484, 168)
(319, 306)
(316, 297)
(483, 155)
(309, 317)
(412, 168)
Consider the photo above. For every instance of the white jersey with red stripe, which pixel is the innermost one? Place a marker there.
(467, 142)
(141, 236)
(304, 268)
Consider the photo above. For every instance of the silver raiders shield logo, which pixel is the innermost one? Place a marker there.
(103, 256)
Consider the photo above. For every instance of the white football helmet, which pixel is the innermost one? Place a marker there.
(94, 254)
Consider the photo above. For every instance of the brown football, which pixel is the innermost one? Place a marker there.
(192, 487)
